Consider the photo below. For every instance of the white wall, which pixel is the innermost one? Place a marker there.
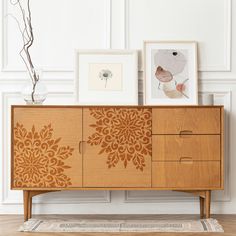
(62, 25)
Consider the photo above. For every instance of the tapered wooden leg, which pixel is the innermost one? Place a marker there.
(208, 203)
(30, 207)
(201, 200)
(28, 196)
(26, 204)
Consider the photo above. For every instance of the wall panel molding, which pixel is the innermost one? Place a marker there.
(6, 68)
(156, 196)
(226, 64)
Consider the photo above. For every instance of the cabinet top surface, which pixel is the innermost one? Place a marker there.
(119, 106)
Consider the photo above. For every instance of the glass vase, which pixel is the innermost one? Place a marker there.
(34, 95)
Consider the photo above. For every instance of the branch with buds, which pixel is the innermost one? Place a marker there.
(28, 39)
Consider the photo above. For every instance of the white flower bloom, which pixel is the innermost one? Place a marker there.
(105, 75)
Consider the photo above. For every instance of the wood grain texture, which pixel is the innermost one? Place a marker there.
(26, 204)
(208, 204)
(201, 202)
(183, 145)
(190, 147)
(192, 120)
(46, 148)
(110, 106)
(186, 174)
(222, 146)
(9, 224)
(30, 207)
(110, 157)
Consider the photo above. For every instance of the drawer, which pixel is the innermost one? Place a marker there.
(187, 120)
(186, 174)
(185, 147)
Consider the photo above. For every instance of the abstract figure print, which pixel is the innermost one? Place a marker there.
(170, 77)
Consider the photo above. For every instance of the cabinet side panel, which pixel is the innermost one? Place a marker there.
(12, 146)
(222, 146)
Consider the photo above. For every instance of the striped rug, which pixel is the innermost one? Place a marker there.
(96, 225)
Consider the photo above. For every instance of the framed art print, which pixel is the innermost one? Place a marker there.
(170, 73)
(106, 77)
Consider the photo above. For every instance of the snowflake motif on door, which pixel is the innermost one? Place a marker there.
(38, 158)
(123, 134)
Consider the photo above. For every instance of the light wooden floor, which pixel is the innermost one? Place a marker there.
(10, 223)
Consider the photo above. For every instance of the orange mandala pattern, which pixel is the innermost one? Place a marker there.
(123, 134)
(38, 159)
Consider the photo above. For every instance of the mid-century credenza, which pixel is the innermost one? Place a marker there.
(176, 148)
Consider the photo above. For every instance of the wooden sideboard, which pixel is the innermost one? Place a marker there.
(176, 148)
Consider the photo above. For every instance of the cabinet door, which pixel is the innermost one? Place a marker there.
(45, 147)
(117, 147)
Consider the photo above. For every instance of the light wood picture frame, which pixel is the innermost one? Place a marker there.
(106, 77)
(170, 73)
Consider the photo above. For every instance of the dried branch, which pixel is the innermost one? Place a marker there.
(28, 39)
(14, 3)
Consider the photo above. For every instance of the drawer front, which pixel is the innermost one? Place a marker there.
(186, 120)
(185, 147)
(198, 174)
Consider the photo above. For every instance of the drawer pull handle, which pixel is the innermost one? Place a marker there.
(184, 132)
(188, 160)
(81, 147)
